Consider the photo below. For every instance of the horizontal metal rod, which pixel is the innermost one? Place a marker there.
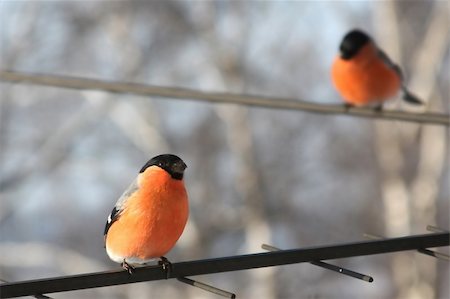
(37, 296)
(223, 264)
(215, 97)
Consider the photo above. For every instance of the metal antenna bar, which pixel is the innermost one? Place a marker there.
(37, 296)
(223, 264)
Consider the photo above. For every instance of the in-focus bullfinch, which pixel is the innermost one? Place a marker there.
(363, 74)
(150, 216)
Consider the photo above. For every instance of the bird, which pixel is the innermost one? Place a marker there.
(364, 74)
(150, 216)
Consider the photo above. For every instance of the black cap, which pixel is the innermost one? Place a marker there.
(352, 43)
(170, 163)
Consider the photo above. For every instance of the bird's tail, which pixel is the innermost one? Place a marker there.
(410, 98)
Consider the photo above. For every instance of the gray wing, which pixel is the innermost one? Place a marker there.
(390, 63)
(118, 207)
(407, 95)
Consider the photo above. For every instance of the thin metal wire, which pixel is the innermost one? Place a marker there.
(435, 229)
(328, 266)
(206, 287)
(214, 97)
(439, 255)
(223, 264)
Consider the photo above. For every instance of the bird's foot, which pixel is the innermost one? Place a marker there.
(347, 106)
(127, 267)
(378, 108)
(166, 265)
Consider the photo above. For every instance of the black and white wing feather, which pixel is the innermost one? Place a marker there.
(118, 207)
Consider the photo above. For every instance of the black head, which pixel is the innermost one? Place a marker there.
(170, 163)
(352, 43)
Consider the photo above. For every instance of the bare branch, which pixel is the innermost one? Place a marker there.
(214, 97)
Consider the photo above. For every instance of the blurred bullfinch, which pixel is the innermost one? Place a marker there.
(363, 74)
(150, 216)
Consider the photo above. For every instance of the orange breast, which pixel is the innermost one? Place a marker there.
(153, 218)
(365, 79)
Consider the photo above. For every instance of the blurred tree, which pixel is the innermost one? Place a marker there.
(255, 175)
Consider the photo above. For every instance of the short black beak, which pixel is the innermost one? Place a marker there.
(179, 167)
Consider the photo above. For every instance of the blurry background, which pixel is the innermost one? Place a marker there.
(255, 175)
